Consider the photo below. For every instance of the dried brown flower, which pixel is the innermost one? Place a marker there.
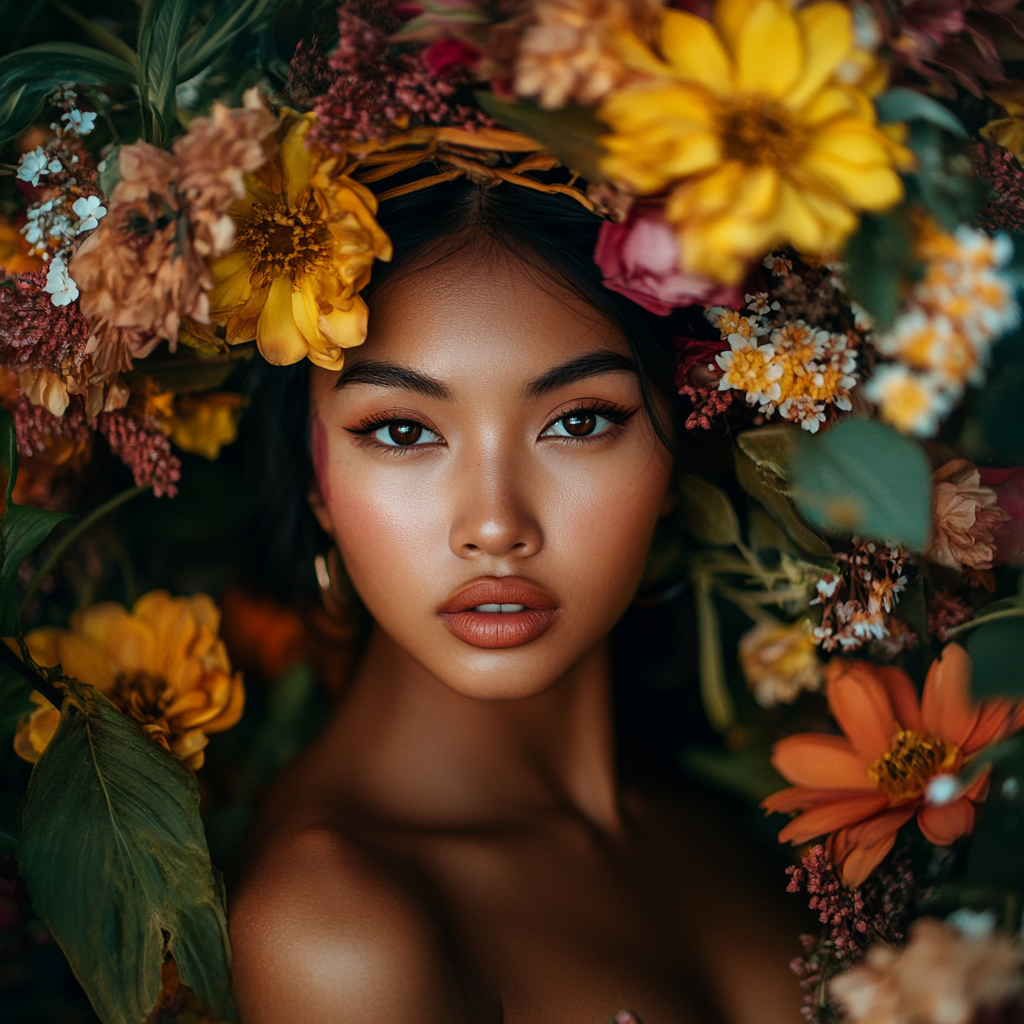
(569, 53)
(965, 517)
(941, 977)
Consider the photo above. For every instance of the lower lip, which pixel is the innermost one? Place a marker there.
(496, 630)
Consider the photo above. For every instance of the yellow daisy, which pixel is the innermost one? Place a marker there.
(755, 126)
(306, 239)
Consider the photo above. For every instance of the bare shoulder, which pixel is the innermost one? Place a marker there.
(325, 930)
(731, 897)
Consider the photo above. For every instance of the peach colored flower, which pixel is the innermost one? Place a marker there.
(941, 977)
(865, 785)
(965, 517)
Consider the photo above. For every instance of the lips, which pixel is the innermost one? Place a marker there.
(527, 612)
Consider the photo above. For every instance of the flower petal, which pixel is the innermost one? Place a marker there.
(946, 703)
(943, 825)
(857, 851)
(903, 696)
(845, 810)
(817, 760)
(828, 37)
(860, 704)
(296, 159)
(695, 49)
(994, 717)
(279, 339)
(769, 51)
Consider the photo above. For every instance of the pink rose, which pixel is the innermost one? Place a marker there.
(444, 56)
(640, 259)
(1009, 536)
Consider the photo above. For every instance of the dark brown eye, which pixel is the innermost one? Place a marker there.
(579, 424)
(403, 433)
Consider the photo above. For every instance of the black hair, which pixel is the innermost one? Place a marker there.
(554, 234)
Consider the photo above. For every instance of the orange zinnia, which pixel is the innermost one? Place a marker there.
(862, 787)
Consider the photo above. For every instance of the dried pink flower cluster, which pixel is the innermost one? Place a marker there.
(1004, 210)
(857, 603)
(876, 911)
(945, 612)
(33, 331)
(375, 87)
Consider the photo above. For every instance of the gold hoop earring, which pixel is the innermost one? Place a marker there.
(336, 592)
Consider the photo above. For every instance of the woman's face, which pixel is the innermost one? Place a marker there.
(489, 473)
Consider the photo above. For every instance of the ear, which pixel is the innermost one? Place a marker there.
(319, 509)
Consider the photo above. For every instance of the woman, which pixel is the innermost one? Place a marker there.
(455, 847)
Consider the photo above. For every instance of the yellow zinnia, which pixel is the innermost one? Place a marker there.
(751, 122)
(162, 664)
(307, 238)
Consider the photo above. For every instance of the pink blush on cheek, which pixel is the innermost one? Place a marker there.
(319, 439)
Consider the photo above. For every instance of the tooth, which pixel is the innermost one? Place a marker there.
(513, 607)
(487, 608)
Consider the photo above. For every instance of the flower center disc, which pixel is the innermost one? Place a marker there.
(284, 240)
(761, 134)
(904, 769)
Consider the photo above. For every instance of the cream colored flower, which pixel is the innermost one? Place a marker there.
(779, 661)
(965, 517)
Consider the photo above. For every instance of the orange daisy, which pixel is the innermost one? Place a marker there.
(863, 786)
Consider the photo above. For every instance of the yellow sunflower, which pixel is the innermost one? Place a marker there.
(162, 663)
(754, 123)
(306, 239)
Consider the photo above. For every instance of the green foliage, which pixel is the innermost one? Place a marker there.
(714, 690)
(880, 263)
(863, 478)
(22, 528)
(161, 30)
(909, 105)
(188, 370)
(996, 430)
(997, 655)
(572, 134)
(113, 853)
(746, 773)
(707, 512)
(28, 76)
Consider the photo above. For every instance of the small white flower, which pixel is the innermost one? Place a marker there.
(89, 212)
(60, 284)
(32, 165)
(941, 790)
(79, 122)
(55, 167)
(973, 924)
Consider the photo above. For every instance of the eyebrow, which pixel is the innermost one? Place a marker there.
(593, 364)
(390, 375)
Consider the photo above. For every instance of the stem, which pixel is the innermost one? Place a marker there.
(71, 537)
(1006, 613)
(44, 686)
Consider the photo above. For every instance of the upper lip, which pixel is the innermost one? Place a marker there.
(499, 590)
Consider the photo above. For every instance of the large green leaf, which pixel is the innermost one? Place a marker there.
(22, 528)
(571, 133)
(708, 512)
(161, 29)
(29, 75)
(113, 853)
(863, 478)
(216, 35)
(901, 104)
(880, 263)
(997, 658)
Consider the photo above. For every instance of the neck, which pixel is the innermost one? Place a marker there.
(407, 742)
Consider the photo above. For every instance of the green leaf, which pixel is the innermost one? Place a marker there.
(572, 133)
(997, 657)
(770, 446)
(714, 691)
(187, 371)
(861, 477)
(28, 76)
(22, 528)
(747, 773)
(880, 263)
(113, 853)
(216, 35)
(907, 105)
(161, 29)
(708, 512)
(102, 37)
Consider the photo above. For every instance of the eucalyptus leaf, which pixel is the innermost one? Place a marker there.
(708, 512)
(28, 76)
(714, 690)
(880, 263)
(863, 478)
(572, 134)
(770, 446)
(901, 104)
(161, 29)
(997, 659)
(22, 528)
(113, 853)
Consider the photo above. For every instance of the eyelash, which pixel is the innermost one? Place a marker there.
(616, 416)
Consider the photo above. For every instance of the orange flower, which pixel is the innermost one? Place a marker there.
(862, 787)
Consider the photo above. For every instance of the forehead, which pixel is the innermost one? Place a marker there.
(483, 315)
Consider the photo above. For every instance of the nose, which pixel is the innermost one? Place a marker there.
(492, 513)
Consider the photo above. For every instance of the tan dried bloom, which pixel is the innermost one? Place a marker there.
(570, 54)
(779, 660)
(941, 977)
(965, 517)
(144, 267)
